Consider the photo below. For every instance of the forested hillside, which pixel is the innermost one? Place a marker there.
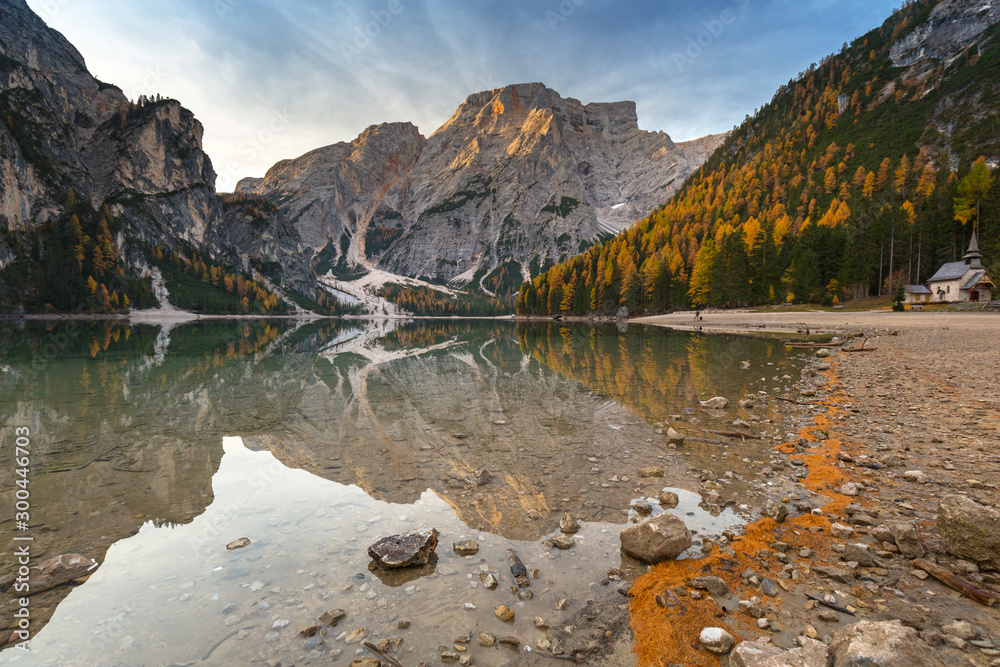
(843, 186)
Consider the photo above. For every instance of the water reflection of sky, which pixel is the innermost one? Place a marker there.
(173, 595)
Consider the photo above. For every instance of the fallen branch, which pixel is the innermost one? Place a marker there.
(732, 434)
(860, 348)
(947, 578)
(383, 655)
(813, 345)
(835, 607)
(789, 400)
(705, 441)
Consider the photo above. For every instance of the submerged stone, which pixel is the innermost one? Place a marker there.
(404, 550)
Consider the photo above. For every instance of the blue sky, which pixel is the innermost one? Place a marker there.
(272, 79)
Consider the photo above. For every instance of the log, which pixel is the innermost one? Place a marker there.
(985, 597)
(835, 607)
(732, 434)
(789, 400)
(383, 655)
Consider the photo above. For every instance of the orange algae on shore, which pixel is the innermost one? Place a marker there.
(670, 635)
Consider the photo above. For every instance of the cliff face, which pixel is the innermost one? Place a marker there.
(518, 175)
(64, 130)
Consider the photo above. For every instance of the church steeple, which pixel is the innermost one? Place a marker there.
(974, 257)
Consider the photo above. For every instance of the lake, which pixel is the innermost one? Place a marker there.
(154, 447)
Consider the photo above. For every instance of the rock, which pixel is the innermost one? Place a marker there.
(518, 570)
(311, 630)
(660, 538)
(917, 476)
(970, 530)
(466, 548)
(568, 524)
(540, 623)
(669, 499)
(562, 542)
(390, 644)
(828, 616)
(850, 489)
(811, 653)
(770, 587)
(332, 618)
(504, 613)
(775, 510)
(509, 640)
(366, 662)
(715, 586)
(481, 477)
(487, 638)
(860, 554)
(650, 472)
(355, 636)
(717, 403)
(960, 629)
(238, 544)
(406, 550)
(841, 532)
(403, 625)
(882, 534)
(822, 353)
(717, 640)
(837, 574)
(745, 365)
(489, 580)
(675, 437)
(53, 572)
(906, 536)
(886, 644)
(562, 604)
(642, 508)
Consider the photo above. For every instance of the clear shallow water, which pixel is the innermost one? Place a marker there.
(154, 448)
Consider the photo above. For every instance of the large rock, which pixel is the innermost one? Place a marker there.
(716, 640)
(970, 530)
(663, 537)
(51, 573)
(406, 550)
(811, 653)
(717, 403)
(885, 644)
(906, 536)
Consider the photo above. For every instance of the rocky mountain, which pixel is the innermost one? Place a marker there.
(70, 143)
(517, 179)
(846, 185)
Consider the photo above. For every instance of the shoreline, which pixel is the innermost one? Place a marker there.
(867, 436)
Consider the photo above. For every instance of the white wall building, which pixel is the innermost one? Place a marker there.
(967, 281)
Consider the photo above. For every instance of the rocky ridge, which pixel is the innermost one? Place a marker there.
(518, 176)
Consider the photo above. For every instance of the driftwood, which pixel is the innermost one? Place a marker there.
(861, 348)
(812, 345)
(789, 400)
(385, 657)
(987, 598)
(732, 434)
(704, 441)
(835, 607)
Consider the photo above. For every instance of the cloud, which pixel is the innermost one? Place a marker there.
(321, 72)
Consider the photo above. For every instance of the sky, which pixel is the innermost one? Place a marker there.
(273, 79)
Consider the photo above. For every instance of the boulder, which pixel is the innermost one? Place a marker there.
(717, 403)
(238, 544)
(568, 524)
(51, 573)
(406, 550)
(662, 537)
(906, 536)
(675, 436)
(970, 530)
(714, 585)
(669, 499)
(886, 644)
(860, 554)
(810, 653)
(717, 640)
(775, 510)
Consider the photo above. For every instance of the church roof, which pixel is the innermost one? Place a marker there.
(974, 280)
(951, 271)
(917, 289)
